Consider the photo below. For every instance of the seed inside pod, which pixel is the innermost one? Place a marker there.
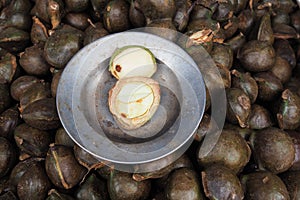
(130, 61)
(133, 101)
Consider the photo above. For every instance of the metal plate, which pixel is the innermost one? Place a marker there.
(82, 104)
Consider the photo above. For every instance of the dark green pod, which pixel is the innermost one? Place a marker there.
(8, 66)
(246, 21)
(259, 117)
(94, 32)
(121, 186)
(236, 42)
(288, 116)
(224, 11)
(269, 86)
(222, 55)
(14, 40)
(77, 20)
(33, 61)
(86, 159)
(42, 114)
(183, 183)
(231, 150)
(5, 99)
(264, 185)
(295, 20)
(55, 195)
(136, 17)
(62, 168)
(76, 5)
(257, 56)
(157, 9)
(34, 183)
(265, 31)
(62, 138)
(238, 106)
(9, 119)
(21, 84)
(40, 90)
(92, 188)
(221, 183)
(183, 161)
(19, 170)
(245, 82)
(116, 16)
(273, 149)
(38, 32)
(49, 11)
(181, 18)
(207, 126)
(284, 49)
(292, 182)
(62, 45)
(32, 141)
(282, 70)
(295, 135)
(8, 195)
(8, 156)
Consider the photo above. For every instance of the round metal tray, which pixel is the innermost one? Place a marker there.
(82, 104)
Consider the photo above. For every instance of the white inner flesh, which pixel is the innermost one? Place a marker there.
(134, 61)
(134, 99)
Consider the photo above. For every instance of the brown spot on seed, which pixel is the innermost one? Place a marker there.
(118, 68)
(123, 115)
(139, 100)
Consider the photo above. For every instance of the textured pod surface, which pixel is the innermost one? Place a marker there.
(55, 195)
(245, 82)
(62, 137)
(292, 182)
(269, 86)
(121, 186)
(273, 149)
(9, 119)
(34, 185)
(220, 182)
(264, 185)
(116, 16)
(8, 156)
(257, 56)
(222, 55)
(33, 61)
(8, 66)
(94, 32)
(36, 92)
(182, 184)
(259, 117)
(282, 70)
(62, 45)
(86, 159)
(14, 40)
(238, 106)
(157, 9)
(62, 168)
(231, 150)
(181, 162)
(5, 99)
(296, 140)
(21, 84)
(92, 188)
(41, 114)
(33, 141)
(288, 116)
